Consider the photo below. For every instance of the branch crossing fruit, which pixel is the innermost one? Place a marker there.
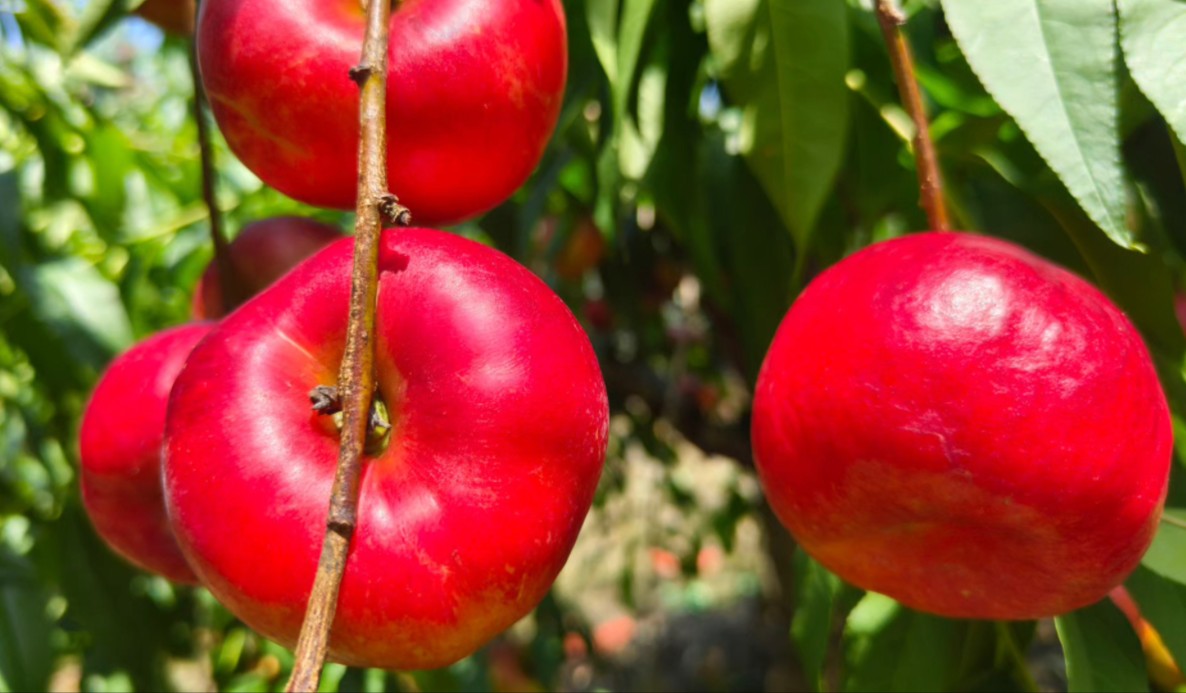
(499, 423)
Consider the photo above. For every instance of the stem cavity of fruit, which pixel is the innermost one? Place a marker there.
(327, 402)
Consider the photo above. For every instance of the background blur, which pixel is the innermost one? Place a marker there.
(712, 156)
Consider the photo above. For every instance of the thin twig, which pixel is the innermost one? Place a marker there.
(357, 377)
(930, 182)
(1173, 521)
(228, 277)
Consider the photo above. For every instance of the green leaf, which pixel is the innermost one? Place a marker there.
(1152, 34)
(25, 654)
(127, 629)
(109, 154)
(96, 18)
(636, 15)
(757, 261)
(45, 22)
(893, 648)
(617, 29)
(811, 626)
(1140, 283)
(1163, 604)
(1167, 555)
(1052, 65)
(1101, 650)
(75, 302)
(602, 16)
(784, 62)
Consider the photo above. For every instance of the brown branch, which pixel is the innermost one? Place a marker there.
(930, 182)
(229, 283)
(357, 377)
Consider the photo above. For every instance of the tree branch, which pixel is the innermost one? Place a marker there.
(229, 284)
(356, 378)
(930, 182)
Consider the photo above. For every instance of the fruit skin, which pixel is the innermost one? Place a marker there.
(262, 253)
(474, 91)
(965, 427)
(120, 451)
(500, 421)
(174, 16)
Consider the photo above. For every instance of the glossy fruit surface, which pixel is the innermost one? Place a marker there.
(474, 91)
(120, 451)
(963, 426)
(499, 428)
(262, 253)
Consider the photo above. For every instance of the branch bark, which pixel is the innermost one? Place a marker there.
(930, 182)
(356, 380)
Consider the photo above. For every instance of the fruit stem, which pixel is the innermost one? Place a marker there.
(356, 381)
(229, 284)
(930, 182)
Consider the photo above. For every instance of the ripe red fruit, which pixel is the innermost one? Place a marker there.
(120, 451)
(965, 427)
(498, 432)
(262, 253)
(174, 16)
(474, 91)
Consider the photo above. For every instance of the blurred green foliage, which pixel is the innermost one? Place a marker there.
(726, 151)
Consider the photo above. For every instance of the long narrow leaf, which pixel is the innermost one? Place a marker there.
(1153, 36)
(1053, 66)
(1102, 651)
(784, 63)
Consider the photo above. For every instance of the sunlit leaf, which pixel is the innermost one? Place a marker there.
(602, 18)
(783, 62)
(80, 306)
(1167, 555)
(1152, 34)
(893, 648)
(97, 17)
(1053, 66)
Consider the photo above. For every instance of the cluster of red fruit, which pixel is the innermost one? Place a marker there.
(945, 418)
(202, 456)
